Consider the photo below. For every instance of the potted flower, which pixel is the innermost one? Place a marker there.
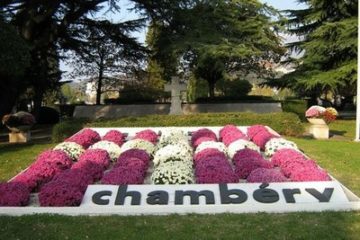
(320, 115)
(19, 124)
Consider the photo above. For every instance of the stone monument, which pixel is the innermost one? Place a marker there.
(175, 87)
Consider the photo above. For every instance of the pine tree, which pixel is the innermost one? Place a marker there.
(328, 31)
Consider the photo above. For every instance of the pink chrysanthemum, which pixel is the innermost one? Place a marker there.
(85, 138)
(148, 135)
(14, 194)
(115, 137)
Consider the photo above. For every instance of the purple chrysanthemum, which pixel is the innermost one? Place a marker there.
(247, 153)
(122, 176)
(135, 153)
(244, 166)
(214, 170)
(133, 163)
(266, 175)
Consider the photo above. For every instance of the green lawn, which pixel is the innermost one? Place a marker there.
(340, 158)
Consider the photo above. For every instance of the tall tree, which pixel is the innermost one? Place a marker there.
(102, 58)
(239, 33)
(328, 33)
(14, 58)
(51, 26)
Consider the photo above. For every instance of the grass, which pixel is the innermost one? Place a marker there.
(340, 158)
(16, 157)
(327, 225)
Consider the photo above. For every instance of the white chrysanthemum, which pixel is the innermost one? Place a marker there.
(139, 144)
(173, 173)
(172, 136)
(176, 152)
(276, 144)
(112, 149)
(210, 144)
(73, 150)
(241, 144)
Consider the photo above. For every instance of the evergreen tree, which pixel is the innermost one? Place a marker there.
(50, 27)
(328, 32)
(238, 33)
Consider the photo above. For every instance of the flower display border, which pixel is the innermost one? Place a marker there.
(352, 204)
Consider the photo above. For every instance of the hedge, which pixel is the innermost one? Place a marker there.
(298, 107)
(67, 128)
(284, 123)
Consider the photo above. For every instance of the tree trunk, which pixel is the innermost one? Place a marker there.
(99, 86)
(211, 89)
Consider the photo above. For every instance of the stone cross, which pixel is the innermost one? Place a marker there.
(175, 88)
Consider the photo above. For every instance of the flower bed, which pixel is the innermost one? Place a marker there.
(231, 154)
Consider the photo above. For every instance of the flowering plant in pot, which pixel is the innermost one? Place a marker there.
(19, 122)
(320, 115)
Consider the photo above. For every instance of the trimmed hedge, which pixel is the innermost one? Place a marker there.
(66, 129)
(298, 107)
(284, 123)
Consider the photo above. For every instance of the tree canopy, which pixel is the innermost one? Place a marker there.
(328, 31)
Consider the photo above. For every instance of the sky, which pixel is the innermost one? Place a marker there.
(125, 14)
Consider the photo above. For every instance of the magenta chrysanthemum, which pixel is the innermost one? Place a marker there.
(14, 194)
(200, 135)
(85, 138)
(148, 135)
(66, 189)
(208, 153)
(265, 175)
(98, 156)
(46, 166)
(114, 136)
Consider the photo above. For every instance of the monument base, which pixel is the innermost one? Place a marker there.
(20, 137)
(319, 131)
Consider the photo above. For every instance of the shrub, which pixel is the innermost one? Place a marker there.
(237, 87)
(66, 129)
(298, 107)
(284, 123)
